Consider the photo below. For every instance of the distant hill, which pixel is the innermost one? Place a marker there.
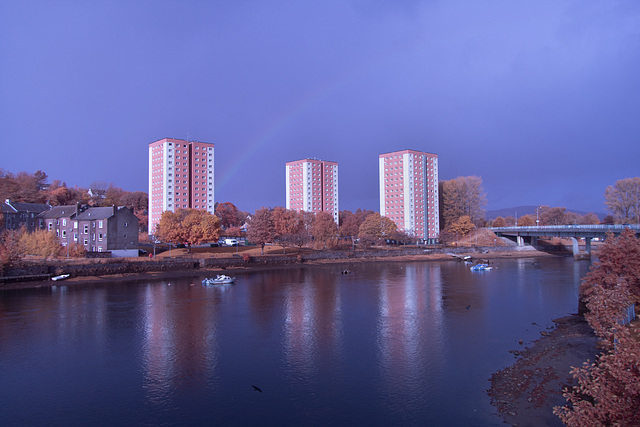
(529, 210)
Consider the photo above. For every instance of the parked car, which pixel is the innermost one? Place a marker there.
(231, 242)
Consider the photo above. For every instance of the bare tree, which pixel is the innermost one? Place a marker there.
(463, 195)
(623, 199)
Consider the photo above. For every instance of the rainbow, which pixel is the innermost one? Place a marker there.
(290, 114)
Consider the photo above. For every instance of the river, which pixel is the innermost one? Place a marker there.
(389, 344)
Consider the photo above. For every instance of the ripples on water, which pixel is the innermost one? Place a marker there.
(391, 343)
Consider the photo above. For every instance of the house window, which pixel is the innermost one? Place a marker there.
(57, 233)
(100, 224)
(64, 233)
(100, 237)
(75, 237)
(50, 226)
(86, 229)
(64, 222)
(99, 248)
(125, 224)
(86, 241)
(93, 237)
(75, 224)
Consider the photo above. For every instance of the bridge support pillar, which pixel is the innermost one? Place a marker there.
(576, 249)
(587, 244)
(519, 241)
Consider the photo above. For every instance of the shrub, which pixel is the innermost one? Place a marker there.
(10, 250)
(41, 243)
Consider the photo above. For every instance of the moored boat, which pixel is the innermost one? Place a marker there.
(60, 277)
(220, 279)
(481, 267)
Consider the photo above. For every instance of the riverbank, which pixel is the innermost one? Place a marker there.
(115, 270)
(526, 392)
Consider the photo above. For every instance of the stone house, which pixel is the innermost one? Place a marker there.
(98, 229)
(17, 215)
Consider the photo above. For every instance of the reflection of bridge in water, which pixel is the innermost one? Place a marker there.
(530, 235)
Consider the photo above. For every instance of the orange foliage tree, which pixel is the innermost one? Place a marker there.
(619, 261)
(461, 226)
(10, 250)
(261, 229)
(608, 390)
(40, 243)
(188, 226)
(499, 222)
(229, 215)
(324, 229)
(376, 227)
(526, 221)
(287, 223)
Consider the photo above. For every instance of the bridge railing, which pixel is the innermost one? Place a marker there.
(594, 227)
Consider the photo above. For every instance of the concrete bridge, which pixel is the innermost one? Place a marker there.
(530, 235)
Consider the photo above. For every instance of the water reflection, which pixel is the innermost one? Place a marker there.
(390, 343)
(410, 314)
(312, 323)
(179, 337)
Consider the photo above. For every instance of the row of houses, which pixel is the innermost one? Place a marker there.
(99, 229)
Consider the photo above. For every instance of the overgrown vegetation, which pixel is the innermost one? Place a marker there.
(608, 390)
(16, 244)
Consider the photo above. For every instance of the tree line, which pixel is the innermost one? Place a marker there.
(550, 216)
(24, 187)
(284, 227)
(462, 205)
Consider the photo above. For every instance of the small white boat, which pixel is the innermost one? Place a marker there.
(60, 277)
(481, 267)
(220, 279)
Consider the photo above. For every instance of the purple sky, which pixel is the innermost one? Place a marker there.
(539, 98)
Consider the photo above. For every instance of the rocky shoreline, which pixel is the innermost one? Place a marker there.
(526, 392)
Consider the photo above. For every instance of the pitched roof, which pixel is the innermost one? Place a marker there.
(14, 207)
(30, 207)
(95, 213)
(59, 211)
(4, 208)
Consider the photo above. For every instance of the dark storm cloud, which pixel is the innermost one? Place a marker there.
(540, 99)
